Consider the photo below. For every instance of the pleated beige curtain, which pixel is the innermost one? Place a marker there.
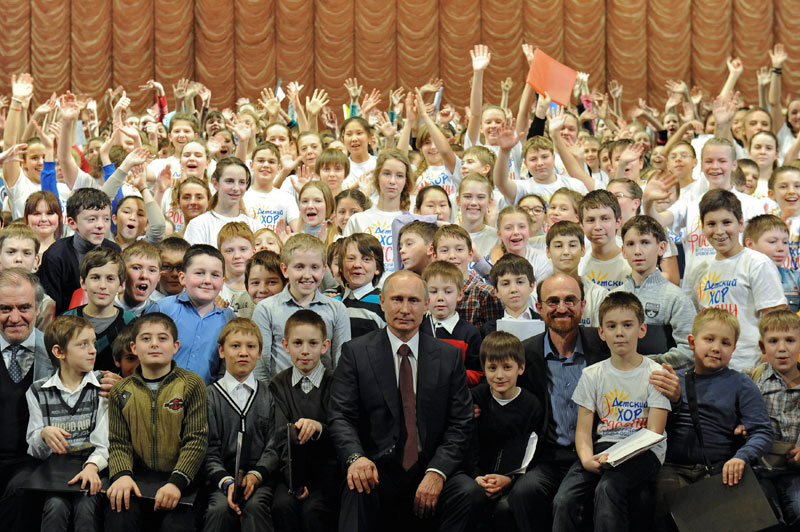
(238, 47)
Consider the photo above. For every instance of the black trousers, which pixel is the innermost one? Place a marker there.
(389, 506)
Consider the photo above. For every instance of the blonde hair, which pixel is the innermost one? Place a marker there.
(718, 315)
(778, 320)
(233, 230)
(302, 242)
(242, 325)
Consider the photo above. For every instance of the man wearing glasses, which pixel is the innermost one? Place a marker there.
(554, 361)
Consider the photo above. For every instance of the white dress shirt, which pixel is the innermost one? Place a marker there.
(25, 356)
(239, 391)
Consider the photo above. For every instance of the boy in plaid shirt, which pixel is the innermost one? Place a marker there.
(479, 303)
(778, 379)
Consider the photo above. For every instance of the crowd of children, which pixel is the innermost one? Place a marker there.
(212, 264)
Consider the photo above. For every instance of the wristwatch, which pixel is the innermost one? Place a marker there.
(352, 458)
(226, 484)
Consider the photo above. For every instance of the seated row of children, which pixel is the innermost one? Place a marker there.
(197, 430)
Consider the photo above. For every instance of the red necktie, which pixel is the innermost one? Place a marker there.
(410, 453)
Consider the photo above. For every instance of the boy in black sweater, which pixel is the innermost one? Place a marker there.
(301, 396)
(509, 416)
(445, 288)
(240, 405)
(89, 215)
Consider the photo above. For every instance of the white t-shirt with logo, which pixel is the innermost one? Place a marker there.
(205, 228)
(530, 186)
(607, 274)
(267, 208)
(379, 224)
(621, 400)
(743, 284)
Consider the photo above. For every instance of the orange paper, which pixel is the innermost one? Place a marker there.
(548, 75)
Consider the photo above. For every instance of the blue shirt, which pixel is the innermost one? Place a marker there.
(564, 376)
(198, 334)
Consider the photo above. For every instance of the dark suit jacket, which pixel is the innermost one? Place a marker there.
(536, 377)
(366, 414)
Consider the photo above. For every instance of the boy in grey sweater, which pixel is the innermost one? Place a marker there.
(239, 404)
(643, 245)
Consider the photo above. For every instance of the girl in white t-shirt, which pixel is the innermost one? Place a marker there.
(193, 197)
(316, 208)
(514, 229)
(763, 149)
(182, 130)
(473, 199)
(392, 180)
(193, 162)
(231, 178)
(356, 135)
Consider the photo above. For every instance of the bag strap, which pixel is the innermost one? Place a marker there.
(691, 396)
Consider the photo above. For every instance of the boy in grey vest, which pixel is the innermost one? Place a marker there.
(67, 416)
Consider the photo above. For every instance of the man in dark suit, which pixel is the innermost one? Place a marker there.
(401, 419)
(554, 361)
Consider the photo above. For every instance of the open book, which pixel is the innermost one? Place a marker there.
(631, 446)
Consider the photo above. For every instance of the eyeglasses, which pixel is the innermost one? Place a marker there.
(555, 302)
(165, 268)
(673, 156)
(534, 210)
(620, 195)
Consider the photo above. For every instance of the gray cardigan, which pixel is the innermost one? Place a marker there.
(258, 447)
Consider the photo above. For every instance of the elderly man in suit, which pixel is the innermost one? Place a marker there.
(401, 419)
(554, 361)
(25, 360)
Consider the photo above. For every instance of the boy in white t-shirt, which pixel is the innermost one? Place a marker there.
(618, 392)
(718, 160)
(266, 204)
(738, 279)
(540, 162)
(601, 217)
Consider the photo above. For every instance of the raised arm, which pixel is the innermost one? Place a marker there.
(481, 57)
(735, 69)
(778, 57)
(314, 105)
(508, 139)
(21, 92)
(438, 138)
(659, 188)
(574, 168)
(724, 109)
(69, 114)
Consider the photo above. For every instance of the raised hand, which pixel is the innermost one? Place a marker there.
(481, 57)
(3, 102)
(556, 122)
(632, 153)
(615, 89)
(660, 186)
(293, 90)
(47, 106)
(396, 97)
(370, 102)
(47, 139)
(528, 50)
(778, 56)
(22, 88)
(735, 65)
(153, 85)
(432, 86)
(330, 119)
(242, 131)
(317, 101)
(508, 137)
(676, 86)
(204, 93)
(697, 95)
(69, 106)
(724, 108)
(688, 112)
(137, 157)
(13, 154)
(353, 88)
(674, 100)
(506, 84)
(387, 129)
(763, 75)
(269, 102)
(179, 90)
(446, 114)
(137, 177)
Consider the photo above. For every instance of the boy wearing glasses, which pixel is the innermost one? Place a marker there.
(172, 250)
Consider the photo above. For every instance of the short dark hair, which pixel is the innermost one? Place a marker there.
(305, 317)
(84, 199)
(201, 249)
(426, 230)
(511, 264)
(645, 225)
(367, 245)
(97, 258)
(621, 300)
(122, 343)
(267, 259)
(174, 243)
(499, 346)
(158, 318)
(717, 200)
(598, 199)
(565, 228)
